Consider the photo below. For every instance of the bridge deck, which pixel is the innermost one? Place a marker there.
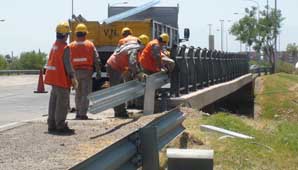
(206, 96)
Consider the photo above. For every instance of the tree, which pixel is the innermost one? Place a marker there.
(259, 33)
(32, 60)
(292, 49)
(3, 63)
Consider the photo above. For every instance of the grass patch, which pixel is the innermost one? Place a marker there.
(275, 146)
(279, 99)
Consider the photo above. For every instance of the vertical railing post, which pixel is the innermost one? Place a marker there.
(199, 69)
(149, 148)
(175, 75)
(205, 68)
(191, 68)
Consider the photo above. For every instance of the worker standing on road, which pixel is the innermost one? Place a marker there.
(84, 58)
(122, 66)
(60, 75)
(153, 59)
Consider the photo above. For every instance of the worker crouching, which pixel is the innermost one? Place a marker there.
(123, 66)
(153, 59)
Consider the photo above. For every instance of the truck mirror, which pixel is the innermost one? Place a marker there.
(186, 33)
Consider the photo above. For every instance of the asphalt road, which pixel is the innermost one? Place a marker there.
(17, 100)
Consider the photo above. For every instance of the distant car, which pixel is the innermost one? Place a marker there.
(252, 67)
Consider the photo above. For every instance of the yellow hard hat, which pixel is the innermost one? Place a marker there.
(81, 28)
(165, 37)
(63, 28)
(126, 29)
(144, 39)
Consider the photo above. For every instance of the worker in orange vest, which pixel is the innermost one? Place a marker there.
(84, 58)
(60, 75)
(122, 66)
(126, 36)
(153, 59)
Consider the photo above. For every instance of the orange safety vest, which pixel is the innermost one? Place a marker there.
(147, 60)
(81, 54)
(127, 39)
(55, 71)
(120, 62)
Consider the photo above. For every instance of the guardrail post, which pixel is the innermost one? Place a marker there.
(149, 148)
(191, 69)
(204, 68)
(175, 75)
(199, 69)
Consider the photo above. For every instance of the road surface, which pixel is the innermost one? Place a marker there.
(17, 100)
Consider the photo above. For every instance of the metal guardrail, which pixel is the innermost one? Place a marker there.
(197, 68)
(9, 72)
(116, 95)
(140, 148)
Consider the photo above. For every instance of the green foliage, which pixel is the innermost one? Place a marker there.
(32, 60)
(27, 61)
(285, 67)
(259, 33)
(260, 63)
(292, 49)
(3, 63)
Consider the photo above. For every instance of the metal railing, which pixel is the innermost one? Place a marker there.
(197, 68)
(13, 72)
(140, 148)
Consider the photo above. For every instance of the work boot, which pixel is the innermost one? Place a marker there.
(122, 114)
(52, 129)
(73, 110)
(65, 130)
(82, 117)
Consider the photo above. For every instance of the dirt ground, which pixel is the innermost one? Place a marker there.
(31, 147)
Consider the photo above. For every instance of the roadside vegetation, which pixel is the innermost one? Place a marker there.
(26, 61)
(275, 146)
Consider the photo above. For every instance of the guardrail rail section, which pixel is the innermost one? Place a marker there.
(140, 148)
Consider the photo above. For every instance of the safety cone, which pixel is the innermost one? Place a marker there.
(40, 86)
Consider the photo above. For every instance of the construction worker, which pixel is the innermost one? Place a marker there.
(60, 75)
(84, 58)
(122, 66)
(153, 59)
(126, 36)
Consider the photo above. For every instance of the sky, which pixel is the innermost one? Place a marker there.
(30, 24)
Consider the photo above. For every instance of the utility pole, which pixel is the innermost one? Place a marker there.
(211, 38)
(275, 38)
(222, 32)
(71, 9)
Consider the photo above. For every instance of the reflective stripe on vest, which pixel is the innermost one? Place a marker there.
(81, 59)
(55, 73)
(50, 67)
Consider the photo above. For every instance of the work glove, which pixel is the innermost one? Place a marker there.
(126, 75)
(74, 83)
(141, 76)
(164, 70)
(98, 75)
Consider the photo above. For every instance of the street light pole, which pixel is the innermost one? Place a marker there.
(71, 9)
(222, 31)
(275, 38)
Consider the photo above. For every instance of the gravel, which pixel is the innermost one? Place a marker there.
(31, 147)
